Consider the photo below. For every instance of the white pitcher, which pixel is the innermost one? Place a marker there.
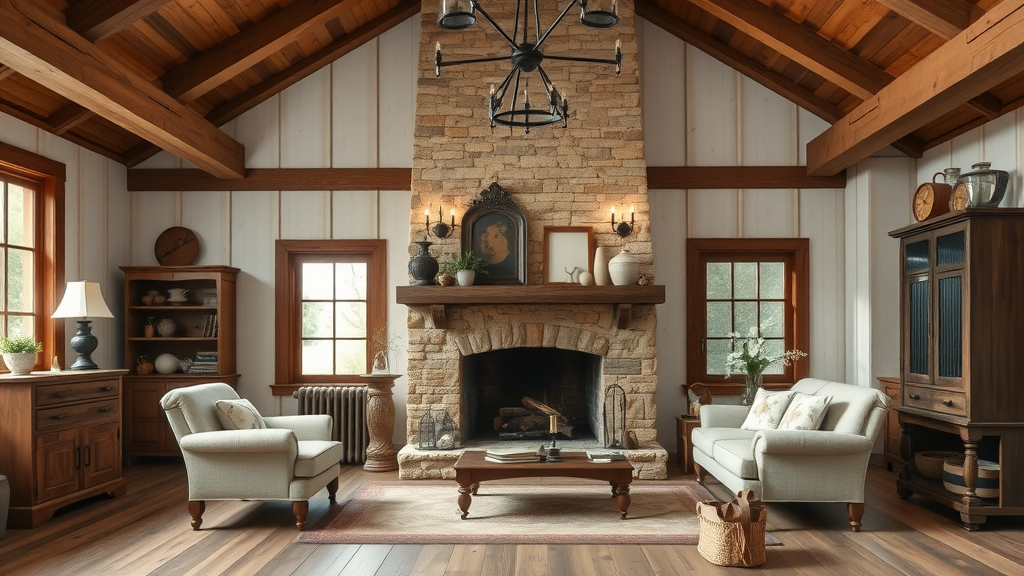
(177, 294)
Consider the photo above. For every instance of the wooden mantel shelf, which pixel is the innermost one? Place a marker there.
(439, 297)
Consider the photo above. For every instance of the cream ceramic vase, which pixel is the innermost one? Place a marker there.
(624, 268)
(601, 277)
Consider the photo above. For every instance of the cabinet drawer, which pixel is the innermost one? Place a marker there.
(63, 417)
(943, 401)
(58, 393)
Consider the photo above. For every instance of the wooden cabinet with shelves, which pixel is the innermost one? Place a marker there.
(204, 325)
(891, 429)
(961, 370)
(62, 440)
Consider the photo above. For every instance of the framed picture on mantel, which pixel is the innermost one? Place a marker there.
(568, 251)
(494, 229)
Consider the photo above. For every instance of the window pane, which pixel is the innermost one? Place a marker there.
(719, 280)
(20, 219)
(19, 280)
(317, 281)
(3, 207)
(351, 320)
(773, 280)
(719, 319)
(775, 348)
(350, 280)
(772, 325)
(717, 352)
(746, 317)
(316, 357)
(20, 326)
(317, 319)
(351, 356)
(745, 284)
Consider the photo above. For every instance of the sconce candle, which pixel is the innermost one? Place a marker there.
(441, 230)
(554, 424)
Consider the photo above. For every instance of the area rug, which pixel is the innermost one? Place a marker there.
(418, 512)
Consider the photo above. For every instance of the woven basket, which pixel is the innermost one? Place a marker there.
(929, 463)
(719, 541)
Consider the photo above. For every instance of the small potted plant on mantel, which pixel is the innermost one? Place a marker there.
(19, 353)
(465, 268)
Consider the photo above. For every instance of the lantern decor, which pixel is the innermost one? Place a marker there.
(614, 414)
(437, 432)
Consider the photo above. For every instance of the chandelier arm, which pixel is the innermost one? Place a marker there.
(541, 40)
(474, 61)
(487, 16)
(515, 90)
(536, 18)
(545, 81)
(503, 87)
(575, 59)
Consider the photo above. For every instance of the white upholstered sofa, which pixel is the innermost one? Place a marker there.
(824, 465)
(291, 459)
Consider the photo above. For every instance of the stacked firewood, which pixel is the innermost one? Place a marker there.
(532, 416)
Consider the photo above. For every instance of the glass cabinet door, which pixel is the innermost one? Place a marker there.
(917, 265)
(950, 252)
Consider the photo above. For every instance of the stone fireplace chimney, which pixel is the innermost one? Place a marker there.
(557, 176)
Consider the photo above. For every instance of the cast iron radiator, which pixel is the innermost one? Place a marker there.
(347, 405)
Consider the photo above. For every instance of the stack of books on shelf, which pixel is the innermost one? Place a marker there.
(210, 326)
(511, 456)
(206, 363)
(605, 455)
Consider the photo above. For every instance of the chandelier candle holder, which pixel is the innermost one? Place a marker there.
(526, 56)
(440, 229)
(623, 228)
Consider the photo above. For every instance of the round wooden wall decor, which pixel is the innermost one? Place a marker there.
(176, 246)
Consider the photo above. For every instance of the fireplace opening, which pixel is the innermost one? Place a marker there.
(494, 385)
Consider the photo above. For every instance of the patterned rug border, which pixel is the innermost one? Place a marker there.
(322, 533)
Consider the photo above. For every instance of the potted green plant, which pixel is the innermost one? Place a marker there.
(19, 353)
(465, 268)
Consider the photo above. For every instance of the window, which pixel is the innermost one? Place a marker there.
(32, 245)
(331, 301)
(735, 285)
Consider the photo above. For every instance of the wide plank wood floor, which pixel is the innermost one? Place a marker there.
(147, 532)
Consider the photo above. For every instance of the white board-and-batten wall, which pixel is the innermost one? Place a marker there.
(358, 112)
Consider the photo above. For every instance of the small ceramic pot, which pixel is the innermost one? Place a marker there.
(20, 363)
(624, 268)
(466, 277)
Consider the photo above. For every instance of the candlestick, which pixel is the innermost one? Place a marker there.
(427, 214)
(554, 424)
(453, 217)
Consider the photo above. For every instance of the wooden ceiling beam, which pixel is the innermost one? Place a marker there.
(274, 179)
(36, 44)
(100, 19)
(295, 73)
(802, 45)
(945, 18)
(5, 71)
(33, 119)
(988, 53)
(735, 59)
(738, 177)
(250, 46)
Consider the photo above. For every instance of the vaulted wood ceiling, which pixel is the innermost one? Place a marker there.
(126, 78)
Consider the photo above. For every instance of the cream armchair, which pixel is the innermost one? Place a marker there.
(292, 459)
(824, 465)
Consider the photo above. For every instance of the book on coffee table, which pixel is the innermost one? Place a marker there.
(605, 455)
(511, 456)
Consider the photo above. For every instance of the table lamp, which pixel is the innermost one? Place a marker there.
(83, 300)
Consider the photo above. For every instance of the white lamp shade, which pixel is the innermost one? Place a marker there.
(82, 300)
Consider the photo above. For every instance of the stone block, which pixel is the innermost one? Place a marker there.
(616, 366)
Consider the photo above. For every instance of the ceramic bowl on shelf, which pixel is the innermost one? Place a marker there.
(166, 327)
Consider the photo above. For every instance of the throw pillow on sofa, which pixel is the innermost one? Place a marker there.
(239, 415)
(767, 410)
(805, 412)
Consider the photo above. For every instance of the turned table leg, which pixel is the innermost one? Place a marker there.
(195, 510)
(622, 499)
(465, 497)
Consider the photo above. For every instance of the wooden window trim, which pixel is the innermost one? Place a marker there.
(797, 317)
(287, 314)
(50, 176)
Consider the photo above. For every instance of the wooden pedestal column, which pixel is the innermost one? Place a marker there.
(380, 422)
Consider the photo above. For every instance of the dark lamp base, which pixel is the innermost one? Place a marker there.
(84, 343)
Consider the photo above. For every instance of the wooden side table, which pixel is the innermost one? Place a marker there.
(684, 449)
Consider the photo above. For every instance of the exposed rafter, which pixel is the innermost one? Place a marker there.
(5, 71)
(946, 18)
(986, 54)
(39, 46)
(293, 74)
(276, 179)
(100, 19)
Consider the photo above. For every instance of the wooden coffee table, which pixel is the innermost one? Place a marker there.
(472, 469)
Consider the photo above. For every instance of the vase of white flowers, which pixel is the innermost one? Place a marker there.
(751, 357)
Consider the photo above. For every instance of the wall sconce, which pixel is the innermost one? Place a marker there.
(440, 230)
(622, 228)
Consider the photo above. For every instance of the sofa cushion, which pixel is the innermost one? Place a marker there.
(736, 456)
(706, 438)
(767, 410)
(239, 415)
(805, 412)
(315, 456)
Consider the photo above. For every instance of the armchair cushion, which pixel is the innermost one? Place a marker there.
(805, 412)
(239, 415)
(315, 456)
(767, 410)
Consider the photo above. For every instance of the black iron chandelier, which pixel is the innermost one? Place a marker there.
(527, 57)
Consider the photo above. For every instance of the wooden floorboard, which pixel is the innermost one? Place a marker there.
(147, 532)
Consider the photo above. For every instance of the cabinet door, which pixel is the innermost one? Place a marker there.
(145, 422)
(101, 453)
(949, 309)
(917, 260)
(58, 464)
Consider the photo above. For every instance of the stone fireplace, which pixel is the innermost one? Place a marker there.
(556, 176)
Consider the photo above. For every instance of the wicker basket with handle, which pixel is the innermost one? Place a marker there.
(732, 534)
